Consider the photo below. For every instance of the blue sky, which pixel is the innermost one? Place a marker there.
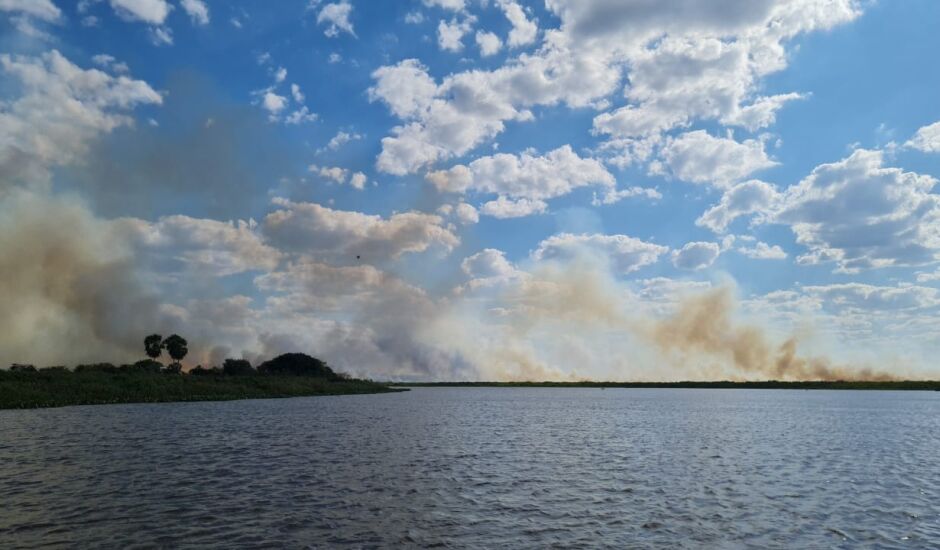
(477, 189)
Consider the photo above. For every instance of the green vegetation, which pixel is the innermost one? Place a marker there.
(921, 385)
(149, 381)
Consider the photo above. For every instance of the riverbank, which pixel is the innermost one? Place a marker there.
(28, 390)
(909, 385)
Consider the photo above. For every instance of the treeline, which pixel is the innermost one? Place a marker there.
(149, 381)
(291, 364)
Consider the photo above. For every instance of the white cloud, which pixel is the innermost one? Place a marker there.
(273, 103)
(40, 9)
(860, 214)
(523, 30)
(466, 213)
(503, 208)
(358, 180)
(336, 15)
(343, 235)
(341, 138)
(450, 34)
(615, 196)
(488, 263)
(927, 139)
(414, 18)
(161, 36)
(524, 176)
(197, 10)
(334, 173)
(701, 158)
(296, 93)
(696, 255)
(148, 11)
(705, 63)
(763, 251)
(208, 247)
(406, 88)
(300, 116)
(61, 111)
(744, 198)
(489, 43)
(625, 254)
(453, 5)
(280, 74)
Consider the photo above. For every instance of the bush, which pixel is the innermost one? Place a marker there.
(199, 370)
(237, 367)
(297, 364)
(56, 368)
(17, 367)
(173, 368)
(148, 365)
(96, 367)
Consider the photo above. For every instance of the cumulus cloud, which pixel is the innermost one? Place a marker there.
(696, 255)
(700, 66)
(504, 208)
(740, 200)
(197, 10)
(344, 235)
(61, 111)
(926, 139)
(489, 43)
(625, 254)
(525, 176)
(524, 31)
(40, 9)
(702, 158)
(200, 246)
(450, 34)
(336, 17)
(147, 11)
(763, 251)
(860, 214)
(453, 5)
(487, 263)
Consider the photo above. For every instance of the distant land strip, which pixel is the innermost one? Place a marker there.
(907, 385)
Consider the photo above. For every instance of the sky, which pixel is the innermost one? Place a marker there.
(475, 189)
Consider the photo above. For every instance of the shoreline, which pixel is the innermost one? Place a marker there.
(898, 385)
(63, 389)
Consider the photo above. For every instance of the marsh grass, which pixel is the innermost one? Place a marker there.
(58, 388)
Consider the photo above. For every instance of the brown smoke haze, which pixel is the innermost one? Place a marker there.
(703, 325)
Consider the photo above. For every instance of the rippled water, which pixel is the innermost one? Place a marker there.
(485, 467)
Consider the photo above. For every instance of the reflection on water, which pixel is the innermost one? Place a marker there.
(481, 467)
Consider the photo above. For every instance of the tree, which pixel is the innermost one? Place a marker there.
(237, 367)
(297, 364)
(175, 345)
(153, 345)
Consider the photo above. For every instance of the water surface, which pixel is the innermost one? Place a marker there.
(480, 467)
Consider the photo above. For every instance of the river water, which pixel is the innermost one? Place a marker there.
(480, 468)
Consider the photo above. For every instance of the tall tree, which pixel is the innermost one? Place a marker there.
(153, 345)
(176, 346)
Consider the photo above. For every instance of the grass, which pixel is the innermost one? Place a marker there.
(27, 390)
(920, 385)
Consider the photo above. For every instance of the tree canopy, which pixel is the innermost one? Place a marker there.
(297, 364)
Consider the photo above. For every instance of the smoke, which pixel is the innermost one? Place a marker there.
(575, 320)
(69, 287)
(703, 328)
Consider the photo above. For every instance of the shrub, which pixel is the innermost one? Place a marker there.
(237, 367)
(55, 368)
(297, 364)
(96, 367)
(147, 365)
(199, 370)
(17, 367)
